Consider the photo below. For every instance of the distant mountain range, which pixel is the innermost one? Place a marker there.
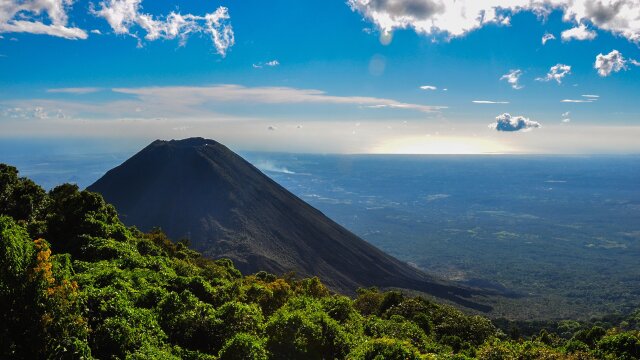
(200, 190)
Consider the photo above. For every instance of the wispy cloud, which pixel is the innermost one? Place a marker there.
(489, 102)
(264, 95)
(272, 63)
(557, 73)
(576, 101)
(546, 37)
(588, 98)
(77, 91)
(205, 103)
(428, 87)
(513, 78)
(125, 17)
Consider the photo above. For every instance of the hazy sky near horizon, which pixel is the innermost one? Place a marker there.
(356, 76)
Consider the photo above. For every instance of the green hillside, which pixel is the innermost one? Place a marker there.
(76, 283)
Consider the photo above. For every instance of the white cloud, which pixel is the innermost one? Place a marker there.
(77, 91)
(513, 78)
(28, 16)
(594, 97)
(96, 31)
(428, 87)
(124, 15)
(612, 62)
(576, 101)
(272, 63)
(546, 37)
(456, 18)
(31, 112)
(506, 122)
(188, 96)
(557, 73)
(489, 102)
(566, 114)
(567, 120)
(580, 32)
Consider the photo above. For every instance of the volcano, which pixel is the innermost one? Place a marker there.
(200, 190)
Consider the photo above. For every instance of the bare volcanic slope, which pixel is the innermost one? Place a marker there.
(200, 190)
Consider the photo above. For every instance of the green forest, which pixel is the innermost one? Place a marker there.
(76, 283)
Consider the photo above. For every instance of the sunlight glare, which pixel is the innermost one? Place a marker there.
(440, 145)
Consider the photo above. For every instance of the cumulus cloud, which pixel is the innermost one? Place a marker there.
(45, 17)
(456, 18)
(489, 102)
(513, 78)
(612, 62)
(546, 37)
(428, 87)
(580, 32)
(506, 122)
(557, 73)
(124, 16)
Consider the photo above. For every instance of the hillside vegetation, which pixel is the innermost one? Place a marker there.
(76, 283)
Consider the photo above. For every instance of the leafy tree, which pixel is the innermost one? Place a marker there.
(104, 290)
(306, 333)
(22, 199)
(243, 346)
(623, 346)
(40, 305)
(385, 349)
(74, 217)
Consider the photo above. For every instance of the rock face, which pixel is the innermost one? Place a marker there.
(200, 190)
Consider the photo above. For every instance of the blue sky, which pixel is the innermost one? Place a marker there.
(389, 76)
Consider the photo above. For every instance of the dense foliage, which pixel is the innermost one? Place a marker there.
(76, 283)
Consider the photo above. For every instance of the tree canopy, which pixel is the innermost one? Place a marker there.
(75, 283)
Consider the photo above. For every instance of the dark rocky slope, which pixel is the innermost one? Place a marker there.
(201, 190)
